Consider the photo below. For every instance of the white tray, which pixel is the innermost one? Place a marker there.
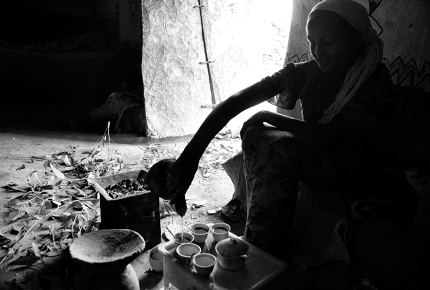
(261, 268)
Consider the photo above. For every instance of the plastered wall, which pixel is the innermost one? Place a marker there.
(406, 34)
(404, 26)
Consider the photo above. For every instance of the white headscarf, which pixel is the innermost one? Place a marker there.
(356, 15)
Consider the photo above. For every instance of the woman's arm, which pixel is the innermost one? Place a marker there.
(223, 113)
(183, 170)
(324, 134)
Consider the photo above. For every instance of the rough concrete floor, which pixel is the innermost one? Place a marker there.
(381, 248)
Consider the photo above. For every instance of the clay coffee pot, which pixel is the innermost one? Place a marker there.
(157, 183)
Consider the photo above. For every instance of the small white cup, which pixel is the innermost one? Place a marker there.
(204, 263)
(187, 251)
(200, 232)
(188, 238)
(220, 231)
(156, 260)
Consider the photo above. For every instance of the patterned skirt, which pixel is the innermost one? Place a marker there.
(266, 177)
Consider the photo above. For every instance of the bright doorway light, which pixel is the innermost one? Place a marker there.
(269, 34)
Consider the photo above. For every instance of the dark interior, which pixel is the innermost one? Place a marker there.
(58, 61)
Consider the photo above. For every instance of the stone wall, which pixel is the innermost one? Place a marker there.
(176, 85)
(177, 92)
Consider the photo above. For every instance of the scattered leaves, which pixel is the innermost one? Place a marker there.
(57, 204)
(4, 240)
(22, 166)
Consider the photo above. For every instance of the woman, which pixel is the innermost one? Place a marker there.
(339, 91)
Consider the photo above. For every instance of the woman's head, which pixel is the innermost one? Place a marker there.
(337, 31)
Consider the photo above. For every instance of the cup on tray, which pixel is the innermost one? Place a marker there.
(182, 238)
(220, 231)
(204, 263)
(200, 232)
(187, 251)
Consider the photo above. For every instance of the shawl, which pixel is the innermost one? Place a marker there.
(356, 15)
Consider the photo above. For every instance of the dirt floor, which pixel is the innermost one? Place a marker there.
(210, 190)
(381, 248)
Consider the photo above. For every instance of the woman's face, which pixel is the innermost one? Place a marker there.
(333, 42)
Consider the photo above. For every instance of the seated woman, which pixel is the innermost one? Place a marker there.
(342, 93)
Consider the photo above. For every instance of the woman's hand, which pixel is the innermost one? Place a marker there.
(256, 119)
(179, 179)
(170, 179)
